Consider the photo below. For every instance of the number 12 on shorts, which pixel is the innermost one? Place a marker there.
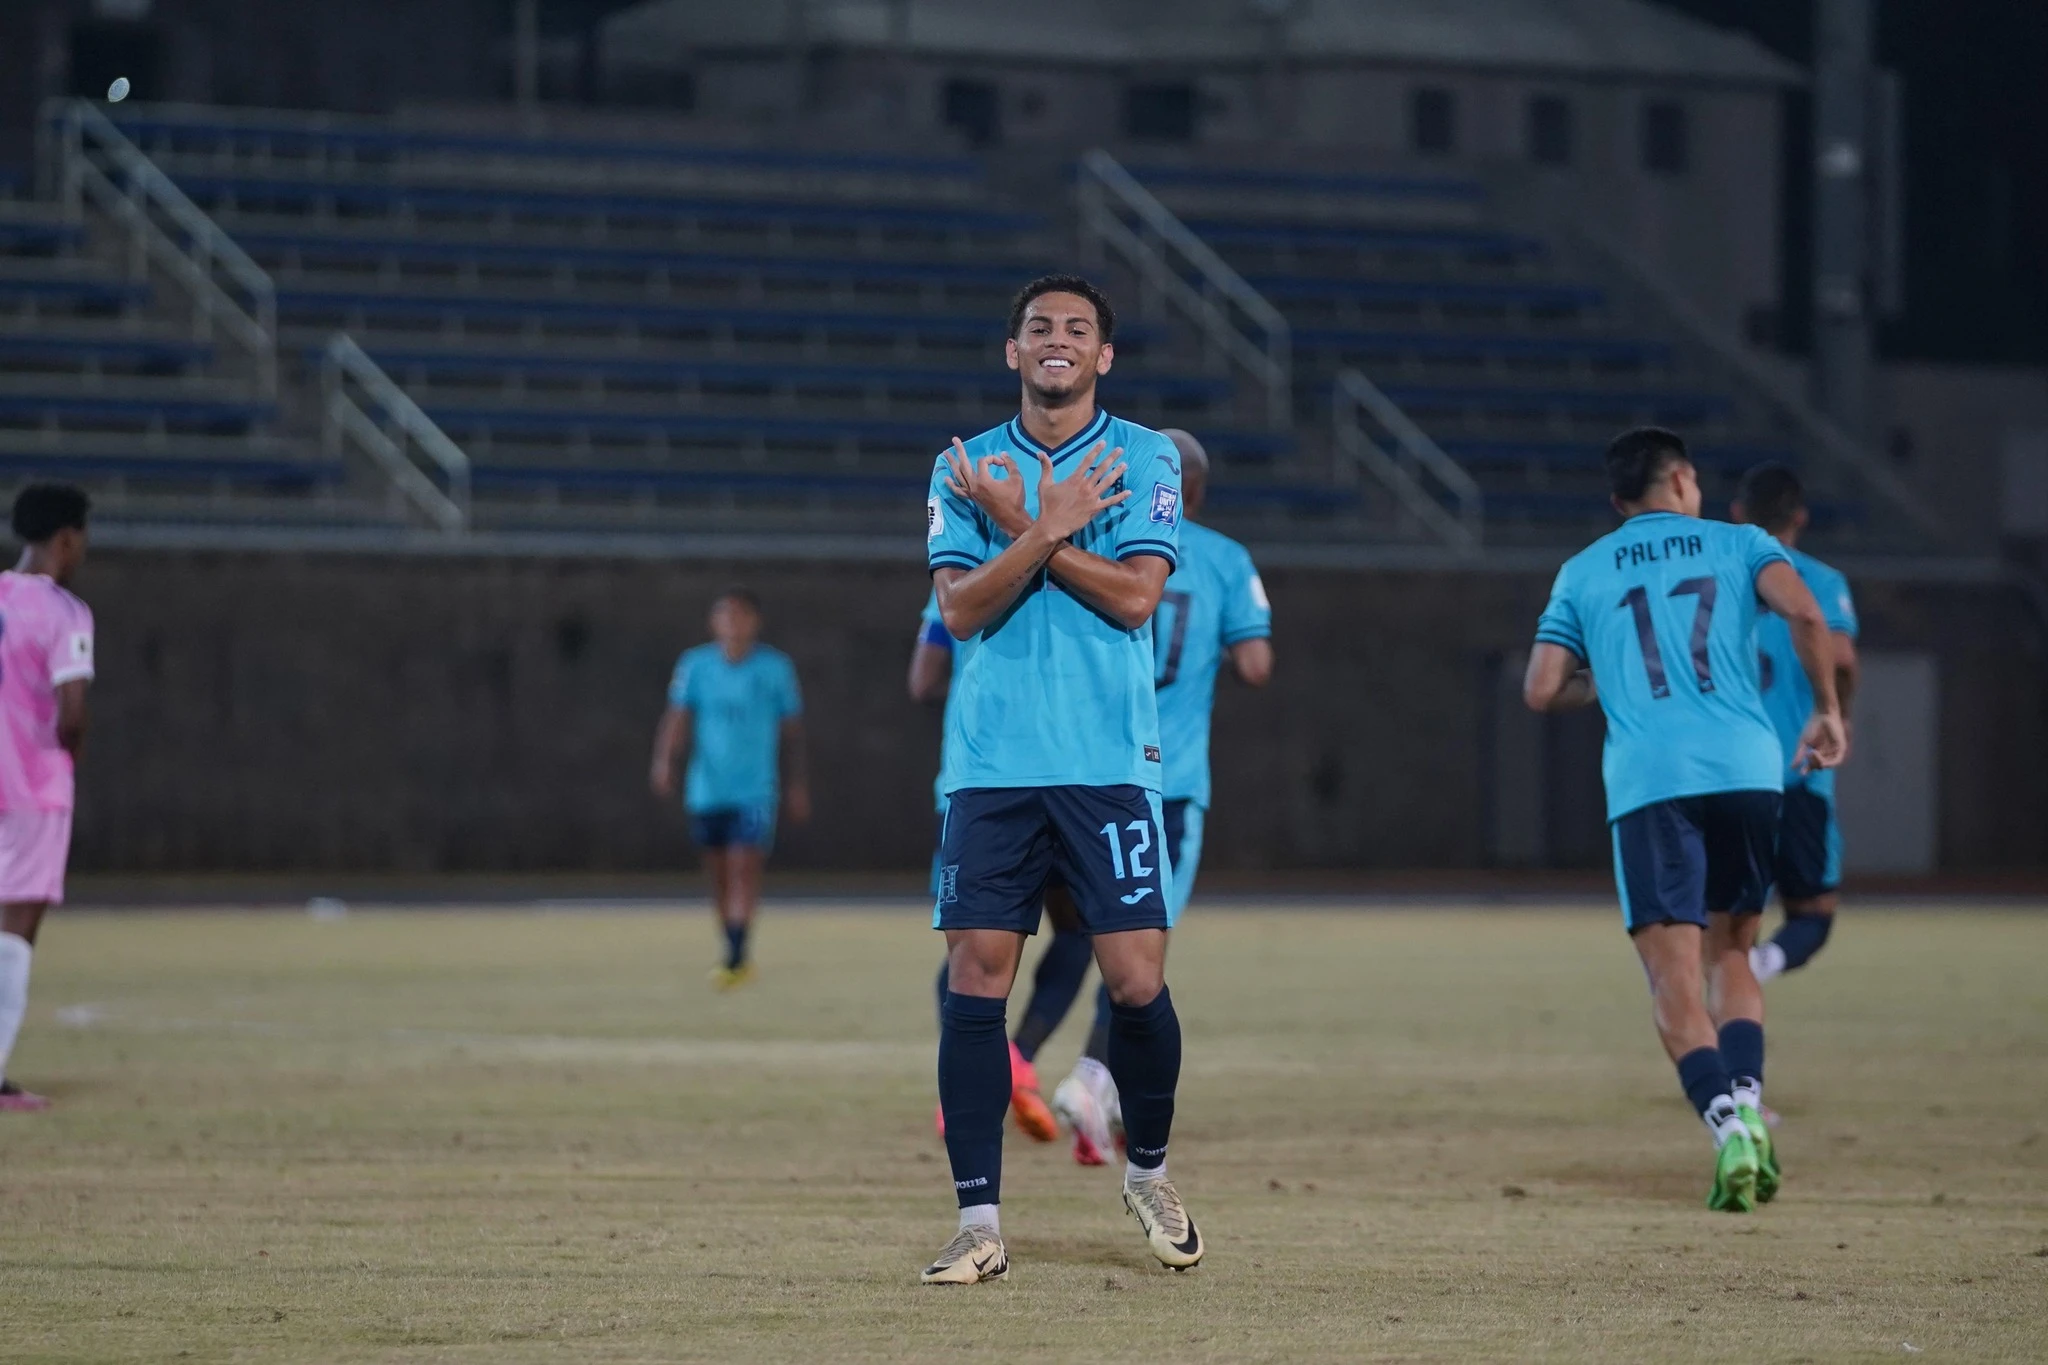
(1117, 858)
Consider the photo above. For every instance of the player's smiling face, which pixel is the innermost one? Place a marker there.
(1059, 350)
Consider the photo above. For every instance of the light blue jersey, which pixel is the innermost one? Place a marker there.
(1054, 692)
(1665, 611)
(1213, 600)
(736, 714)
(1788, 696)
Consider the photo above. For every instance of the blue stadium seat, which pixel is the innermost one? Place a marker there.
(497, 364)
(256, 191)
(1470, 294)
(1482, 346)
(1673, 408)
(359, 140)
(703, 265)
(150, 351)
(1481, 242)
(1268, 182)
(74, 289)
(40, 235)
(1565, 455)
(269, 474)
(169, 410)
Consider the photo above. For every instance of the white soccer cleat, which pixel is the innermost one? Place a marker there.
(1169, 1231)
(1078, 1102)
(1766, 960)
(975, 1254)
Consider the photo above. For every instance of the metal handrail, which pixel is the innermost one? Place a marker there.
(76, 137)
(403, 427)
(1353, 398)
(1769, 389)
(1108, 197)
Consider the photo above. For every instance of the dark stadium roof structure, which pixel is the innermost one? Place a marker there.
(1579, 37)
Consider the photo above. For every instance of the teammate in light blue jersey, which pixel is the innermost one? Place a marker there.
(1056, 981)
(1050, 539)
(735, 713)
(1214, 608)
(1657, 623)
(1809, 864)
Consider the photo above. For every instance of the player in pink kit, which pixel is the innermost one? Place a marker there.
(45, 664)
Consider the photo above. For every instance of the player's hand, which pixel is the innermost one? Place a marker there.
(796, 804)
(1824, 743)
(1002, 499)
(661, 780)
(1066, 505)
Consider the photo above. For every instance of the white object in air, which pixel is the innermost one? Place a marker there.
(327, 908)
(118, 91)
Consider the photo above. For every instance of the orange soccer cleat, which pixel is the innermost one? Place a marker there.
(1034, 1116)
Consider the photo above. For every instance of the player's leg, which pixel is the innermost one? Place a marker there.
(1741, 831)
(19, 921)
(1660, 871)
(1112, 849)
(996, 854)
(1054, 984)
(1809, 871)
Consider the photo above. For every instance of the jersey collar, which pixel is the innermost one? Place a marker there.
(1086, 437)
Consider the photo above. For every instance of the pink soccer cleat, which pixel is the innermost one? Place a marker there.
(16, 1100)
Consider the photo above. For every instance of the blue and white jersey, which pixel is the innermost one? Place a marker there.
(1788, 696)
(1213, 600)
(736, 714)
(1054, 693)
(1665, 612)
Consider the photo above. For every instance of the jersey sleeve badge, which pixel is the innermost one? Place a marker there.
(1165, 504)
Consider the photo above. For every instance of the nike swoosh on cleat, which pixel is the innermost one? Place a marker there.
(1137, 895)
(983, 1264)
(1194, 1240)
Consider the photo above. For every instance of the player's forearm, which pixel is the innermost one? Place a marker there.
(671, 740)
(1120, 589)
(970, 598)
(1253, 662)
(931, 672)
(1847, 670)
(1811, 641)
(795, 756)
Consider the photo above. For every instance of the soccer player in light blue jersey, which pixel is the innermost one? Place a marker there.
(1809, 866)
(1656, 621)
(1057, 979)
(735, 714)
(1214, 608)
(1050, 539)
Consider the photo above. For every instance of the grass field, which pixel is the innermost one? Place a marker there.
(1409, 1134)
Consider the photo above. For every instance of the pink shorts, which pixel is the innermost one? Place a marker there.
(34, 846)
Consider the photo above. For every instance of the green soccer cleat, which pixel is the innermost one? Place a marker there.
(1767, 1175)
(1735, 1168)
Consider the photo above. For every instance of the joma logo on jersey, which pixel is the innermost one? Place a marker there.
(1656, 552)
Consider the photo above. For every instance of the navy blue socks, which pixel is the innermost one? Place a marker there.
(1742, 1051)
(735, 946)
(974, 1092)
(1704, 1075)
(1144, 1061)
(1061, 968)
(1098, 1036)
(1800, 938)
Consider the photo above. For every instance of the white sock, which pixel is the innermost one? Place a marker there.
(14, 959)
(1751, 1095)
(1766, 960)
(1723, 1120)
(1134, 1175)
(982, 1216)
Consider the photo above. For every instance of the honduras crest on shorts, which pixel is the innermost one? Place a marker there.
(1165, 504)
(949, 884)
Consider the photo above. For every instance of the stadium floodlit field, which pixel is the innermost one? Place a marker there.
(1415, 1133)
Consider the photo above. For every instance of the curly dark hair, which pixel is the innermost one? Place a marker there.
(1105, 313)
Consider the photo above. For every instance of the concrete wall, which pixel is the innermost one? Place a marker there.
(330, 712)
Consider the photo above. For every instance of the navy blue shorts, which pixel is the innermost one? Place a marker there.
(1002, 846)
(1676, 862)
(734, 827)
(1809, 846)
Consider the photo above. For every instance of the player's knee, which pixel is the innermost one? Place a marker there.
(1135, 984)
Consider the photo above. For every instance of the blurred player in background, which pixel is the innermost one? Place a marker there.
(45, 665)
(1809, 865)
(1214, 608)
(1053, 559)
(1656, 621)
(1063, 964)
(735, 712)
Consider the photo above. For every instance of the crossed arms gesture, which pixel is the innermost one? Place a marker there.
(1126, 591)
